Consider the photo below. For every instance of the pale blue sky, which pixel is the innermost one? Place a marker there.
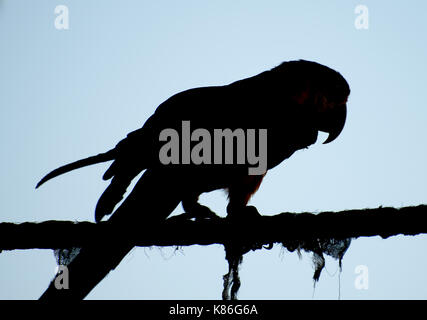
(68, 94)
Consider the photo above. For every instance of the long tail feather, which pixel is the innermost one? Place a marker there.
(112, 195)
(102, 157)
(96, 260)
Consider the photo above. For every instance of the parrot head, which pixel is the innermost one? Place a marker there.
(332, 119)
(321, 89)
(330, 102)
(332, 105)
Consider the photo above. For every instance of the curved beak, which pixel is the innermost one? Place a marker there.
(333, 122)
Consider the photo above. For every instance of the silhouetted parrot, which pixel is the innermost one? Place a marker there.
(293, 101)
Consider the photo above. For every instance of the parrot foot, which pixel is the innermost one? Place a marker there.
(202, 213)
(247, 213)
(197, 213)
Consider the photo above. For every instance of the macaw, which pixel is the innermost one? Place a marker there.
(292, 102)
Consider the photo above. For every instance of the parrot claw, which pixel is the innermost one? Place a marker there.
(247, 213)
(202, 213)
